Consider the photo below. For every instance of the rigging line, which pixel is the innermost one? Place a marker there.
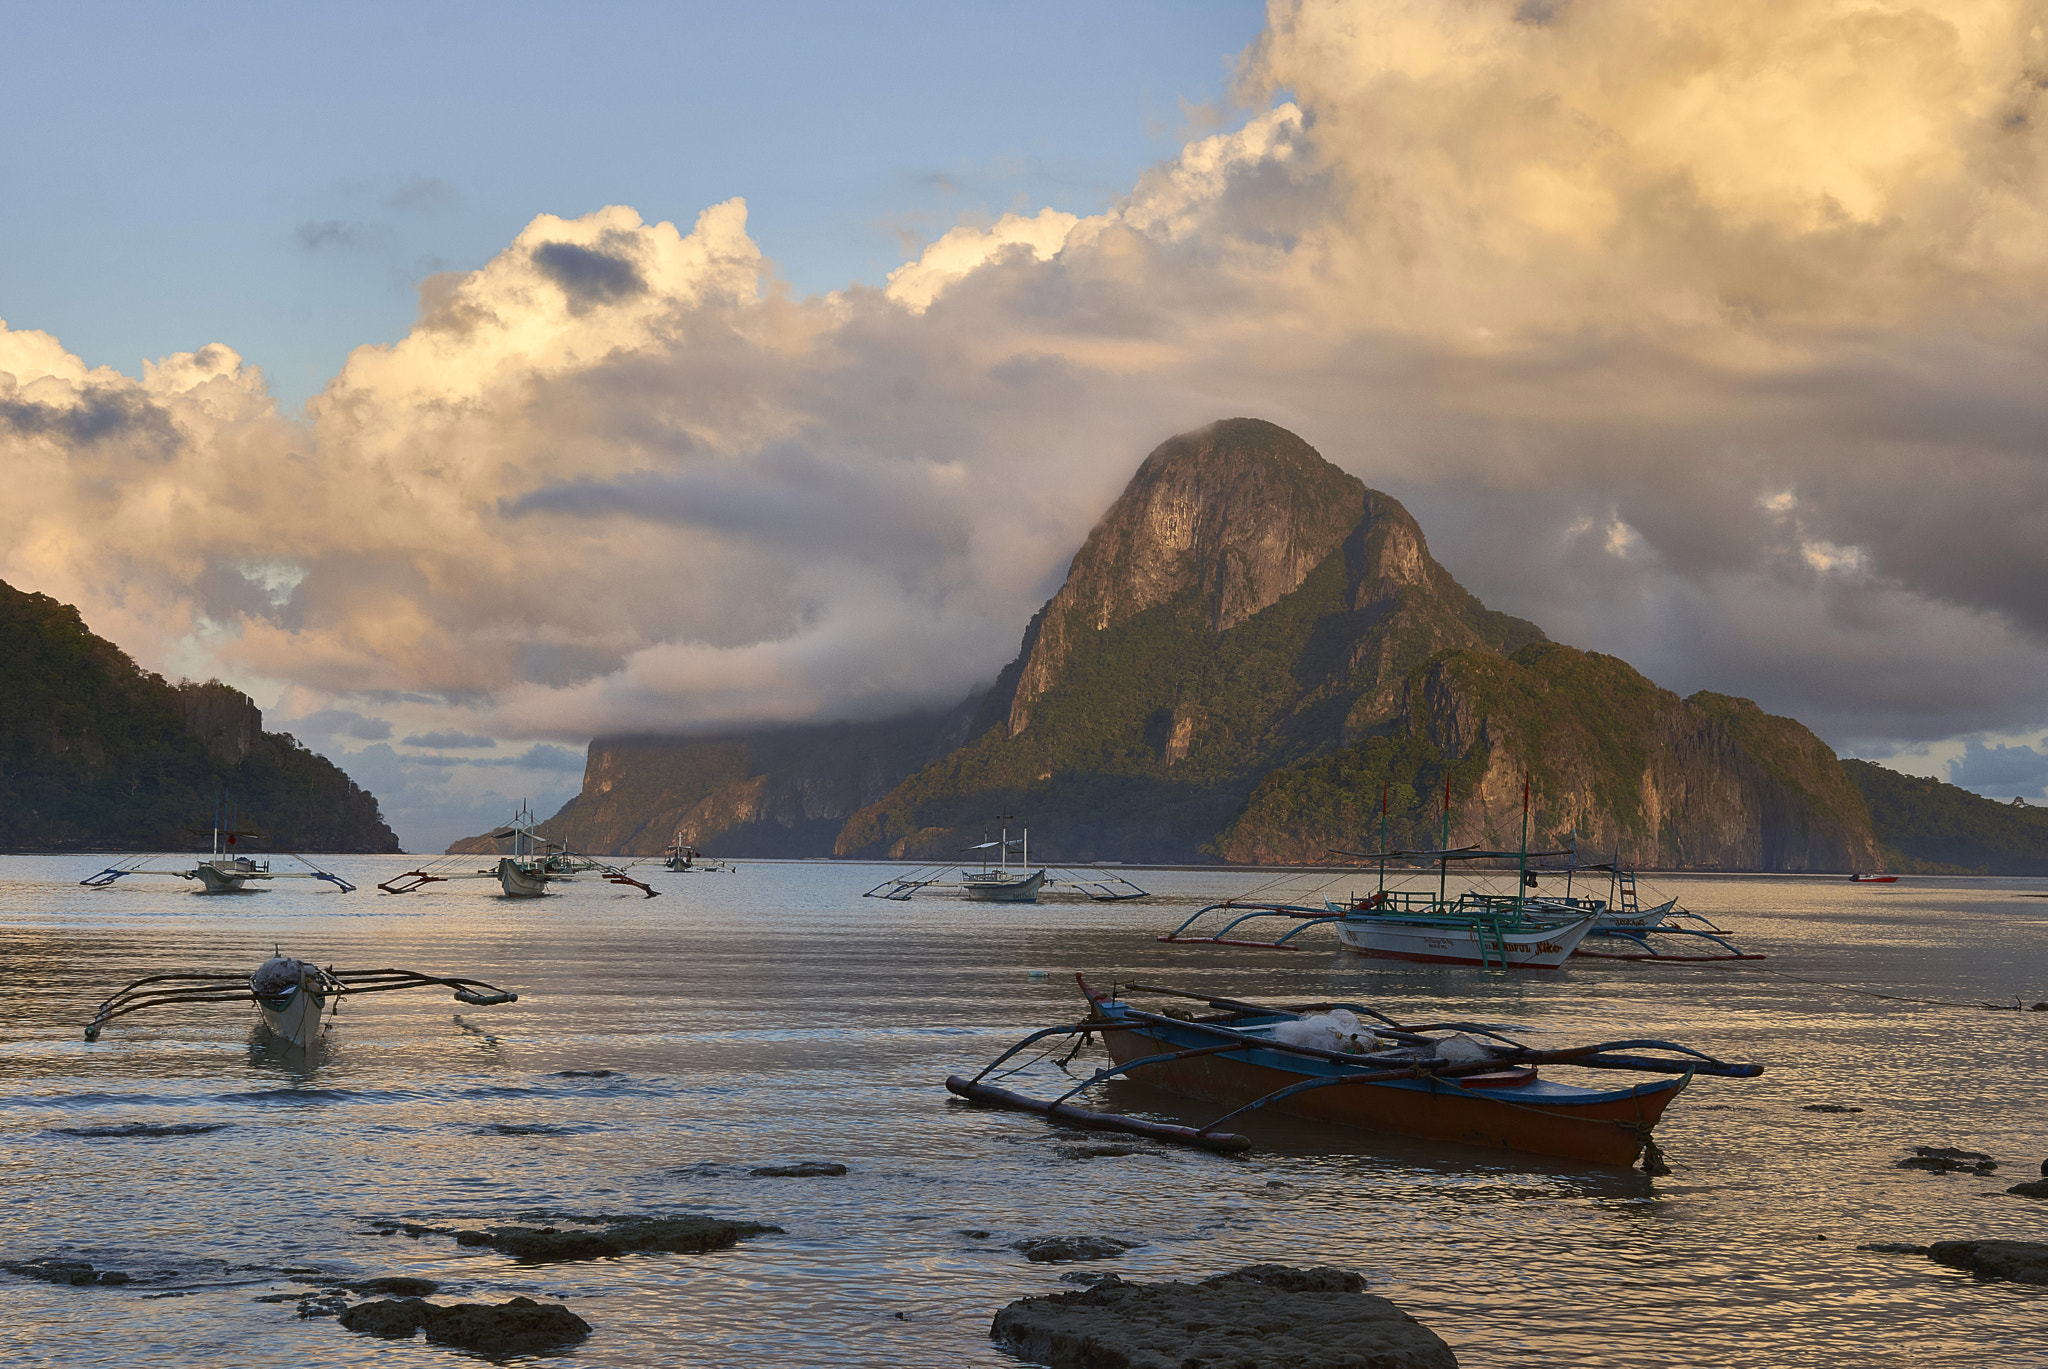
(1866, 993)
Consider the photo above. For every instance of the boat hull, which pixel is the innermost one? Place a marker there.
(294, 1017)
(1451, 943)
(1604, 1127)
(1011, 891)
(518, 881)
(226, 876)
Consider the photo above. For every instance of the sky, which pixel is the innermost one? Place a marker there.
(464, 382)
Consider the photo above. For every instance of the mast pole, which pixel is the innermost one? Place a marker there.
(1383, 839)
(1443, 860)
(1522, 883)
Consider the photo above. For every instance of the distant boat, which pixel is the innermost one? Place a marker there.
(683, 858)
(997, 881)
(535, 863)
(1873, 879)
(224, 870)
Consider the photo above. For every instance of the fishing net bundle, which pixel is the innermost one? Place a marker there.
(279, 975)
(1337, 1030)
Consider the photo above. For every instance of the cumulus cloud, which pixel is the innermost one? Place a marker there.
(459, 741)
(1709, 336)
(2020, 770)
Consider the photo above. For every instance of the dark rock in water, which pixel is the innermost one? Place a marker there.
(1894, 1248)
(523, 1129)
(2040, 1007)
(1089, 1277)
(412, 1229)
(394, 1318)
(586, 1074)
(396, 1286)
(520, 1326)
(2017, 1261)
(1949, 1160)
(807, 1169)
(77, 1273)
(1099, 1152)
(2033, 1188)
(1263, 1317)
(1828, 1107)
(974, 1233)
(682, 1235)
(1060, 1249)
(144, 1130)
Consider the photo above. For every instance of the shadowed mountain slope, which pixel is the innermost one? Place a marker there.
(95, 752)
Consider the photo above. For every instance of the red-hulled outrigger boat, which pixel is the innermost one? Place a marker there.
(1446, 1081)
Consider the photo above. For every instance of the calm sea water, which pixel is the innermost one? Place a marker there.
(774, 1015)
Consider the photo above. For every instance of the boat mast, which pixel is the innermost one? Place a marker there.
(1443, 863)
(1383, 840)
(1522, 875)
(1004, 818)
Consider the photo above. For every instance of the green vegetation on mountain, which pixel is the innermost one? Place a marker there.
(1927, 825)
(97, 753)
(1709, 782)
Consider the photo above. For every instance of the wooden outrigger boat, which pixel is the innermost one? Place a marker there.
(1523, 930)
(996, 882)
(223, 871)
(684, 858)
(1447, 1081)
(290, 994)
(534, 863)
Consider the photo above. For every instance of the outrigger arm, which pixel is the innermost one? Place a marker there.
(224, 986)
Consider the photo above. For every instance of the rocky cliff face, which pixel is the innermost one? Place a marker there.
(774, 792)
(1243, 604)
(1709, 782)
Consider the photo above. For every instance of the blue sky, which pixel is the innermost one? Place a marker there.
(1707, 336)
(280, 177)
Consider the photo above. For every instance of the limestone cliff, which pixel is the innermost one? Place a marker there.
(1243, 605)
(774, 792)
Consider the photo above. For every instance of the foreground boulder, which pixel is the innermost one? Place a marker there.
(1267, 1316)
(2017, 1261)
(1949, 1160)
(520, 1326)
(77, 1273)
(682, 1235)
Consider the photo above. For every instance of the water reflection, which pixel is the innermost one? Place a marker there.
(662, 1050)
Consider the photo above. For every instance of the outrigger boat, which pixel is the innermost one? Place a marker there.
(534, 863)
(290, 994)
(683, 858)
(224, 870)
(995, 882)
(1523, 930)
(1349, 1065)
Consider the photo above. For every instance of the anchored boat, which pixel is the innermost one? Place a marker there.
(997, 882)
(224, 870)
(290, 994)
(534, 863)
(1349, 1065)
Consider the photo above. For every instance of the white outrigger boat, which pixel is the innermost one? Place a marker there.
(1522, 930)
(996, 881)
(223, 871)
(684, 858)
(290, 995)
(534, 863)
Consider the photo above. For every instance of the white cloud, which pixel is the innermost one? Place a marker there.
(1744, 300)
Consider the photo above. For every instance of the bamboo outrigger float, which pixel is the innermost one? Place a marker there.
(290, 994)
(1473, 1087)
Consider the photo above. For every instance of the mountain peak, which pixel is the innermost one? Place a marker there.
(1227, 519)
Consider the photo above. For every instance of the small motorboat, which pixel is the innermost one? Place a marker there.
(1873, 879)
(1356, 1068)
(291, 995)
